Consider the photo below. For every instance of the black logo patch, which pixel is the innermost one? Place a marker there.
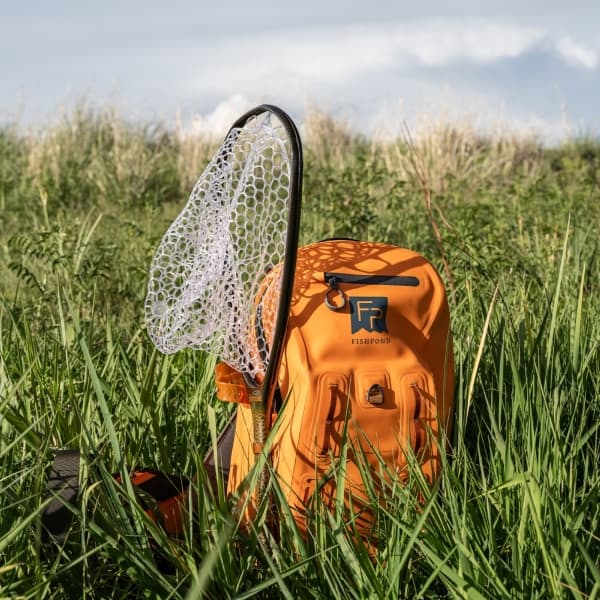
(368, 313)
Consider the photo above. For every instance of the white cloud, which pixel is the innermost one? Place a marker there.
(577, 54)
(217, 123)
(314, 61)
(360, 69)
(337, 55)
(442, 42)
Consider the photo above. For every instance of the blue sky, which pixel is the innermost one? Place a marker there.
(521, 65)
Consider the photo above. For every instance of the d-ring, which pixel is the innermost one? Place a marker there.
(330, 305)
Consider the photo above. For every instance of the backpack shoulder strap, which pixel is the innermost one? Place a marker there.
(63, 487)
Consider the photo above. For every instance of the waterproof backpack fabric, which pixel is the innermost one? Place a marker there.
(366, 378)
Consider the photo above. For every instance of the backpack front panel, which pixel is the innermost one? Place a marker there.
(375, 372)
(367, 366)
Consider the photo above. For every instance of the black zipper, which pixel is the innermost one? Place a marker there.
(334, 278)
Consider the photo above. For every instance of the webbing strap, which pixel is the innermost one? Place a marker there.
(169, 492)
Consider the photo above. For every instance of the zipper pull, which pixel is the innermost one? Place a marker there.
(333, 287)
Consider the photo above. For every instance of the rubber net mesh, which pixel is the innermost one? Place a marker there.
(206, 274)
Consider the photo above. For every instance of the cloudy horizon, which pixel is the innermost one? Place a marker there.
(525, 68)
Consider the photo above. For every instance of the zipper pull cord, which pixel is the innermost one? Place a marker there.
(333, 287)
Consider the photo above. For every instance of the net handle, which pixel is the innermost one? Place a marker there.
(291, 248)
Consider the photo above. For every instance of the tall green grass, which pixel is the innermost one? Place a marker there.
(516, 513)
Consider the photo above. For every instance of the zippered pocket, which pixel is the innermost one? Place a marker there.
(333, 280)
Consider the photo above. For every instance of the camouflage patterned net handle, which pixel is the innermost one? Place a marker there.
(209, 265)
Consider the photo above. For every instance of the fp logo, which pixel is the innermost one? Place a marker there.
(368, 313)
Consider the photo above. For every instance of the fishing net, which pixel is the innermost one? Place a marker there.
(206, 274)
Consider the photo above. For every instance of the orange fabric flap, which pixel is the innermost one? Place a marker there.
(231, 386)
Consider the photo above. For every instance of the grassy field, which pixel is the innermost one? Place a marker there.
(83, 204)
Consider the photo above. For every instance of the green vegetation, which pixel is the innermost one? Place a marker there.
(516, 514)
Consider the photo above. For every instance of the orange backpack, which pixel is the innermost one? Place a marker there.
(367, 360)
